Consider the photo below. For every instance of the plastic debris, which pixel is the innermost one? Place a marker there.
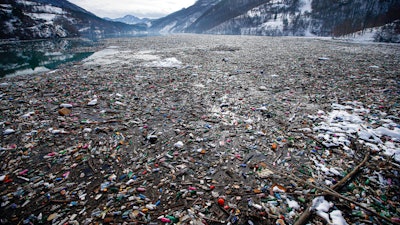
(213, 131)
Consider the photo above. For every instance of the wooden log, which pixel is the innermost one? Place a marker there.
(307, 213)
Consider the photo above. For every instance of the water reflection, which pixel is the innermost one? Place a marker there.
(28, 57)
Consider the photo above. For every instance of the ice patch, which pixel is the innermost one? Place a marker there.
(106, 56)
(113, 55)
(146, 56)
(168, 62)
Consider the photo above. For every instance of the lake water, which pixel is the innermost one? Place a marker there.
(29, 57)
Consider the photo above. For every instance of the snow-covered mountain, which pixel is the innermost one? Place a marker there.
(36, 19)
(129, 19)
(181, 20)
(281, 17)
(387, 33)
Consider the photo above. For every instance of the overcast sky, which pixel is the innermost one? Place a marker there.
(139, 8)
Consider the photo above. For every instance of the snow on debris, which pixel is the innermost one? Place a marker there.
(146, 55)
(323, 207)
(353, 121)
(113, 55)
(168, 62)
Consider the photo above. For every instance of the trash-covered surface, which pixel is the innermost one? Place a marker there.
(206, 130)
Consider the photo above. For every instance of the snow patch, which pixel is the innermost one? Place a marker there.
(26, 2)
(367, 35)
(146, 56)
(84, 29)
(168, 62)
(293, 204)
(6, 11)
(322, 208)
(352, 121)
(48, 9)
(320, 204)
(42, 16)
(113, 55)
(8, 6)
(167, 28)
(306, 6)
(337, 218)
(254, 13)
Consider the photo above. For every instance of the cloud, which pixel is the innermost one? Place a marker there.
(139, 8)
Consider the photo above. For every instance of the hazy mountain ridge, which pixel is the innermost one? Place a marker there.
(284, 17)
(37, 19)
(129, 19)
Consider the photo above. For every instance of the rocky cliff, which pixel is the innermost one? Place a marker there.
(37, 19)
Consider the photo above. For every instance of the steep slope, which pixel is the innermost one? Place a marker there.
(343, 17)
(273, 18)
(64, 5)
(221, 12)
(180, 20)
(36, 19)
(286, 17)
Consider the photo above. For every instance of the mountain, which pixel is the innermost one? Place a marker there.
(387, 33)
(129, 19)
(181, 20)
(281, 17)
(38, 19)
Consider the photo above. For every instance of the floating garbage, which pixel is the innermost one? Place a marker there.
(8, 131)
(213, 131)
(92, 102)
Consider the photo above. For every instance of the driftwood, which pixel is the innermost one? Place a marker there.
(331, 191)
(307, 213)
(345, 179)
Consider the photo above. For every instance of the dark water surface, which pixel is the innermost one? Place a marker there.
(29, 57)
